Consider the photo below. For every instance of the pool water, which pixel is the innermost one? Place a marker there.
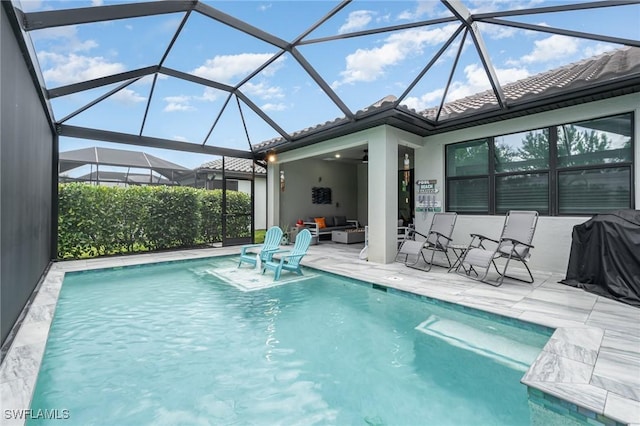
(173, 344)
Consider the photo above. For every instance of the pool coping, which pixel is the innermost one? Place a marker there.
(578, 365)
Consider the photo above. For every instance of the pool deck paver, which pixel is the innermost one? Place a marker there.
(592, 360)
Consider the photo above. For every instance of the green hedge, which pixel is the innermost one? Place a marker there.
(100, 220)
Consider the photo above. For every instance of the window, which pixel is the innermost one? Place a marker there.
(516, 157)
(594, 190)
(522, 192)
(602, 141)
(468, 158)
(468, 166)
(522, 151)
(469, 195)
(571, 169)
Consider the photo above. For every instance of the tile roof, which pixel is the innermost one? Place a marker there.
(612, 65)
(571, 77)
(242, 165)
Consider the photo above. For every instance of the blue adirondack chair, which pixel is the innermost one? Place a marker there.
(290, 260)
(272, 238)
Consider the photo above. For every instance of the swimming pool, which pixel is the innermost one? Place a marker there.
(172, 343)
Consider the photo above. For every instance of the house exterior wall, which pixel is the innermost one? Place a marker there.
(553, 234)
(26, 152)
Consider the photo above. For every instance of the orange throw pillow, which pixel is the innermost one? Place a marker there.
(320, 222)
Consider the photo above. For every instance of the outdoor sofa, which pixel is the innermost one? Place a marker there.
(331, 223)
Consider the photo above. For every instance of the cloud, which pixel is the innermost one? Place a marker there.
(476, 81)
(263, 90)
(209, 95)
(172, 107)
(366, 65)
(496, 32)
(553, 48)
(32, 5)
(178, 103)
(180, 138)
(274, 107)
(97, 2)
(356, 20)
(264, 7)
(422, 9)
(71, 68)
(184, 102)
(597, 49)
(128, 97)
(482, 6)
(224, 68)
(509, 75)
(420, 103)
(68, 37)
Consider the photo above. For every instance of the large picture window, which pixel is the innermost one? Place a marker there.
(578, 168)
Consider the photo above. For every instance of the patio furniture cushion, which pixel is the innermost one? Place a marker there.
(320, 221)
(340, 220)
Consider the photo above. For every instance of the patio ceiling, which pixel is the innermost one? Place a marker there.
(243, 78)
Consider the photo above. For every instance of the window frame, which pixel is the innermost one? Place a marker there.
(553, 172)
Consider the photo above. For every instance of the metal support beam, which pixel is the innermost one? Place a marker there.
(568, 33)
(98, 100)
(553, 9)
(262, 115)
(485, 58)
(453, 69)
(323, 84)
(433, 60)
(458, 9)
(129, 139)
(99, 82)
(86, 15)
(241, 26)
(322, 20)
(25, 45)
(380, 30)
(213, 126)
(195, 79)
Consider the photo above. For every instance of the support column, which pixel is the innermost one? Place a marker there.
(273, 194)
(383, 197)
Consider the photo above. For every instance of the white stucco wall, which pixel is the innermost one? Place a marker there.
(553, 234)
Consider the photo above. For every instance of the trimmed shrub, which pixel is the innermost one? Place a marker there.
(211, 215)
(100, 220)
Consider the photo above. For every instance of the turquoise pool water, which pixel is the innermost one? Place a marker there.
(174, 344)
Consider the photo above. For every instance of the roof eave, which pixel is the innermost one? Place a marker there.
(412, 122)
